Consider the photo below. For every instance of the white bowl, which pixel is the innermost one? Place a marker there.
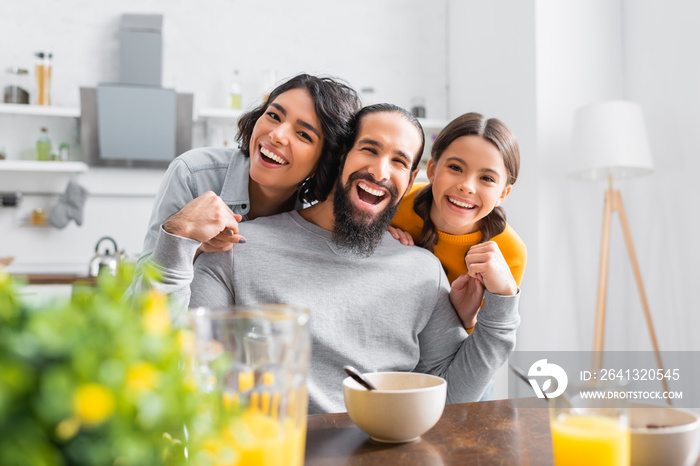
(404, 406)
(677, 443)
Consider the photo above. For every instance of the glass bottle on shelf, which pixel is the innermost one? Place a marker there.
(63, 151)
(418, 107)
(43, 77)
(235, 94)
(43, 145)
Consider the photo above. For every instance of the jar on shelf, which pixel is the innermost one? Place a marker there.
(38, 217)
(16, 93)
(43, 77)
(418, 107)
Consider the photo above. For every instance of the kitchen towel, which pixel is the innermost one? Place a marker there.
(69, 206)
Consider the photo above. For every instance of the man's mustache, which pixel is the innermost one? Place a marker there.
(368, 177)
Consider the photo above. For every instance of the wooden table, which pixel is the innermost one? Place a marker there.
(57, 279)
(484, 433)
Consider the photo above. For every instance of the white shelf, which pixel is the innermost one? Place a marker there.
(230, 114)
(432, 124)
(47, 167)
(39, 110)
(220, 113)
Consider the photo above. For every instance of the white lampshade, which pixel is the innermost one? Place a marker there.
(610, 138)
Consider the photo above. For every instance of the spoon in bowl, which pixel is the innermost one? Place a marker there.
(359, 378)
(524, 378)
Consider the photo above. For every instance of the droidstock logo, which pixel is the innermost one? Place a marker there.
(542, 368)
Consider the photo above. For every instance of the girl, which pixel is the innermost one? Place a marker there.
(289, 154)
(474, 163)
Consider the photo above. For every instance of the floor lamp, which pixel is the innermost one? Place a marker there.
(610, 142)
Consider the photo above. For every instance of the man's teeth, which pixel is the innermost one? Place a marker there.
(373, 192)
(273, 156)
(461, 204)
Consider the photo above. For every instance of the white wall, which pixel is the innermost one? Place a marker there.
(579, 61)
(397, 47)
(491, 70)
(662, 74)
(589, 51)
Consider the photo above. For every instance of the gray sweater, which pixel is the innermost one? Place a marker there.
(387, 312)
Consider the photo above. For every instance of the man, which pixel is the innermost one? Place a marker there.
(375, 304)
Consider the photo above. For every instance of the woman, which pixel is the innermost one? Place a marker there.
(289, 154)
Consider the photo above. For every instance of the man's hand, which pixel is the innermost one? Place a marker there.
(209, 220)
(485, 262)
(466, 295)
(400, 235)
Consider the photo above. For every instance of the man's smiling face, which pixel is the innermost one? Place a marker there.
(375, 176)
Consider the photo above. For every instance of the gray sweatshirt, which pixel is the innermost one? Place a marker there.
(387, 312)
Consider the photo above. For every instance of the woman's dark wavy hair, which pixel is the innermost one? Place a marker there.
(391, 108)
(336, 103)
(498, 134)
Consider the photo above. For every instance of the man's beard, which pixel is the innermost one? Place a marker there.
(359, 231)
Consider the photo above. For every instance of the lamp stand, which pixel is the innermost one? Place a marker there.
(613, 202)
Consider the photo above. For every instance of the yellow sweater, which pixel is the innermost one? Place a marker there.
(451, 249)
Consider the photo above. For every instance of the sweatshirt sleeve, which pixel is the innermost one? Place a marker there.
(174, 192)
(172, 260)
(212, 285)
(468, 363)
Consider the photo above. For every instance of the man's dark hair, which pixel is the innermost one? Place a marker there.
(335, 103)
(391, 108)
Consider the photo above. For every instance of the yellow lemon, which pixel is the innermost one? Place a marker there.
(155, 316)
(186, 340)
(217, 452)
(142, 377)
(67, 428)
(93, 403)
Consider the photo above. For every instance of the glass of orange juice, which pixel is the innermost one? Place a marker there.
(589, 425)
(252, 362)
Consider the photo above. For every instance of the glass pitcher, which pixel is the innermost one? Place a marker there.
(253, 361)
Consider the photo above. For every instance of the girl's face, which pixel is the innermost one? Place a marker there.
(286, 142)
(469, 180)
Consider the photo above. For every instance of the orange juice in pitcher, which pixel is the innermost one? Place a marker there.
(253, 362)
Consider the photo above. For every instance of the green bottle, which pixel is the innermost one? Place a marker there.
(43, 145)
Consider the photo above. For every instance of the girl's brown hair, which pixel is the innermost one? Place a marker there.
(498, 134)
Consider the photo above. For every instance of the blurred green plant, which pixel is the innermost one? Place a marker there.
(96, 380)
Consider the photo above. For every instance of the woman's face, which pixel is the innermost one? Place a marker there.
(286, 143)
(469, 180)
